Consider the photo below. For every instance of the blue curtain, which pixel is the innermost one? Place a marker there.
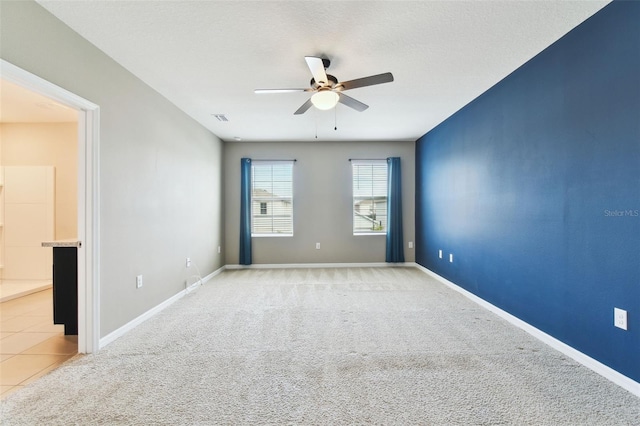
(395, 244)
(245, 211)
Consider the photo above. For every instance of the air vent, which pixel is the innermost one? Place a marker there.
(220, 117)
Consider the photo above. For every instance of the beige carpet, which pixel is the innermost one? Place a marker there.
(323, 346)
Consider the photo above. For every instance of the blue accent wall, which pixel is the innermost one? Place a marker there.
(535, 189)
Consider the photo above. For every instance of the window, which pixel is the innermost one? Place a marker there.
(369, 196)
(271, 198)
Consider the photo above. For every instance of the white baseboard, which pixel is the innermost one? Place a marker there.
(151, 312)
(322, 265)
(598, 367)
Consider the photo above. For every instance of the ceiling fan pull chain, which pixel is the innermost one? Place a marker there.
(335, 118)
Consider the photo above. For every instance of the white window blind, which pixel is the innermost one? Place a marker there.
(271, 198)
(369, 196)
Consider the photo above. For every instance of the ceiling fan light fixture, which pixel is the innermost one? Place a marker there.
(325, 99)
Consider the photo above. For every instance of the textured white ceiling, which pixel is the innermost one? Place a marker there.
(208, 56)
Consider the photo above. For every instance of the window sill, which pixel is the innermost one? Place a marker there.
(368, 233)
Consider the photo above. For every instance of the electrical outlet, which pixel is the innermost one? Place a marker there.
(317, 246)
(620, 318)
(451, 257)
(440, 254)
(139, 281)
(188, 263)
(218, 249)
(410, 244)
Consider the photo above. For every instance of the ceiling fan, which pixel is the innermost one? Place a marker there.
(327, 90)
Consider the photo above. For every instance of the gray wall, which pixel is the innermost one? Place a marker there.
(322, 205)
(160, 171)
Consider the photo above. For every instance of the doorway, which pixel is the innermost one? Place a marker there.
(87, 196)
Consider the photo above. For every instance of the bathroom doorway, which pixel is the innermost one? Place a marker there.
(86, 161)
(38, 202)
(38, 186)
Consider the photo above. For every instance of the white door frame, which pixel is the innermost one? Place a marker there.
(88, 198)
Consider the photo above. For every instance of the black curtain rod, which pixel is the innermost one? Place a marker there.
(368, 159)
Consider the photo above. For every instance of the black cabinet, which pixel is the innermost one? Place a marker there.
(65, 288)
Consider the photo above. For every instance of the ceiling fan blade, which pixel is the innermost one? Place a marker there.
(352, 103)
(387, 77)
(281, 90)
(305, 106)
(317, 69)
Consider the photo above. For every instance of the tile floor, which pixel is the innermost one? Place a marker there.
(30, 344)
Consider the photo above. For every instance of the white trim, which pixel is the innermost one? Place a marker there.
(109, 338)
(43, 87)
(92, 230)
(594, 365)
(88, 198)
(321, 265)
(83, 252)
